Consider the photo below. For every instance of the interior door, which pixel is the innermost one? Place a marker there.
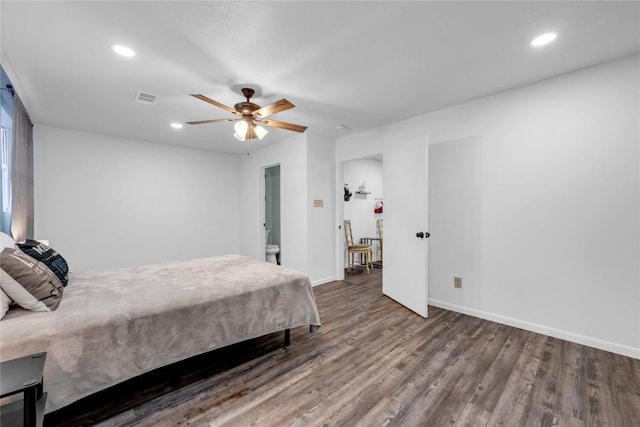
(405, 177)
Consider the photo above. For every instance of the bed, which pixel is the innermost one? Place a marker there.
(112, 326)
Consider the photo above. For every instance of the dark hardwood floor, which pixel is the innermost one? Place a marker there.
(374, 363)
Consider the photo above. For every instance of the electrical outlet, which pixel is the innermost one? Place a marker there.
(457, 282)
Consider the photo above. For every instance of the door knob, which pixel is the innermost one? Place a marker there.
(420, 235)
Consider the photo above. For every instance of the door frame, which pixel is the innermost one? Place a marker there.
(376, 145)
(263, 207)
(340, 239)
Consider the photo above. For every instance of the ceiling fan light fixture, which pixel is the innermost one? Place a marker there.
(239, 137)
(241, 130)
(260, 131)
(241, 127)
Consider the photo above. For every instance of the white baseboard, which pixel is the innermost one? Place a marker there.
(545, 330)
(322, 281)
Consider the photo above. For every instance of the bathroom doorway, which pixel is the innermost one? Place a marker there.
(272, 238)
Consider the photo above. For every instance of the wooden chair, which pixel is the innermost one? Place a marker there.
(356, 249)
(379, 228)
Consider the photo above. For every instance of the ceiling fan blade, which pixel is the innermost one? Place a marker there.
(201, 122)
(284, 125)
(276, 107)
(216, 103)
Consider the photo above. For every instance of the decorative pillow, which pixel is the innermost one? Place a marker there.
(17, 293)
(47, 255)
(33, 275)
(6, 241)
(4, 303)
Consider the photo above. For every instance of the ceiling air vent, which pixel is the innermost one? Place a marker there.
(145, 98)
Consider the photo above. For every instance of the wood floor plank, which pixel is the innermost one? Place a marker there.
(377, 354)
(375, 363)
(484, 349)
(517, 394)
(288, 376)
(542, 409)
(390, 404)
(493, 342)
(379, 362)
(600, 404)
(572, 382)
(625, 391)
(473, 416)
(427, 382)
(494, 381)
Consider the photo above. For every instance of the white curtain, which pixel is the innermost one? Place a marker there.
(22, 174)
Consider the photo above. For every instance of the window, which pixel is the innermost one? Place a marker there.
(6, 127)
(4, 157)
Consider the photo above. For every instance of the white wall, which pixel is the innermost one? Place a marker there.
(534, 202)
(291, 154)
(306, 168)
(107, 202)
(360, 208)
(321, 224)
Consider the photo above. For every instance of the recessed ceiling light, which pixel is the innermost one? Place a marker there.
(176, 125)
(543, 39)
(123, 50)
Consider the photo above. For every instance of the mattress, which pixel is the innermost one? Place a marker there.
(115, 325)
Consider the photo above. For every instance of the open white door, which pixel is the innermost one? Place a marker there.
(405, 177)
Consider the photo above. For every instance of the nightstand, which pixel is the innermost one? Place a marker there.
(23, 375)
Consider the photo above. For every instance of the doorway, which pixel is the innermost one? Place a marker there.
(272, 238)
(363, 208)
(405, 172)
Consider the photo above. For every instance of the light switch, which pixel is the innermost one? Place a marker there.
(318, 203)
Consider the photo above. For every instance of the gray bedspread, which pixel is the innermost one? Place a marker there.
(115, 325)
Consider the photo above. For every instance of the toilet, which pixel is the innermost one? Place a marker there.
(271, 250)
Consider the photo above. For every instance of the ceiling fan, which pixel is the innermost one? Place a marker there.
(251, 116)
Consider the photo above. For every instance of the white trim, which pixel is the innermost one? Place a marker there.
(545, 330)
(323, 281)
(339, 216)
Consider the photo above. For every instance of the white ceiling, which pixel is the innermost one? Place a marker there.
(357, 64)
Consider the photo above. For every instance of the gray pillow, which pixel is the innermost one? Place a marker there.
(34, 276)
(17, 293)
